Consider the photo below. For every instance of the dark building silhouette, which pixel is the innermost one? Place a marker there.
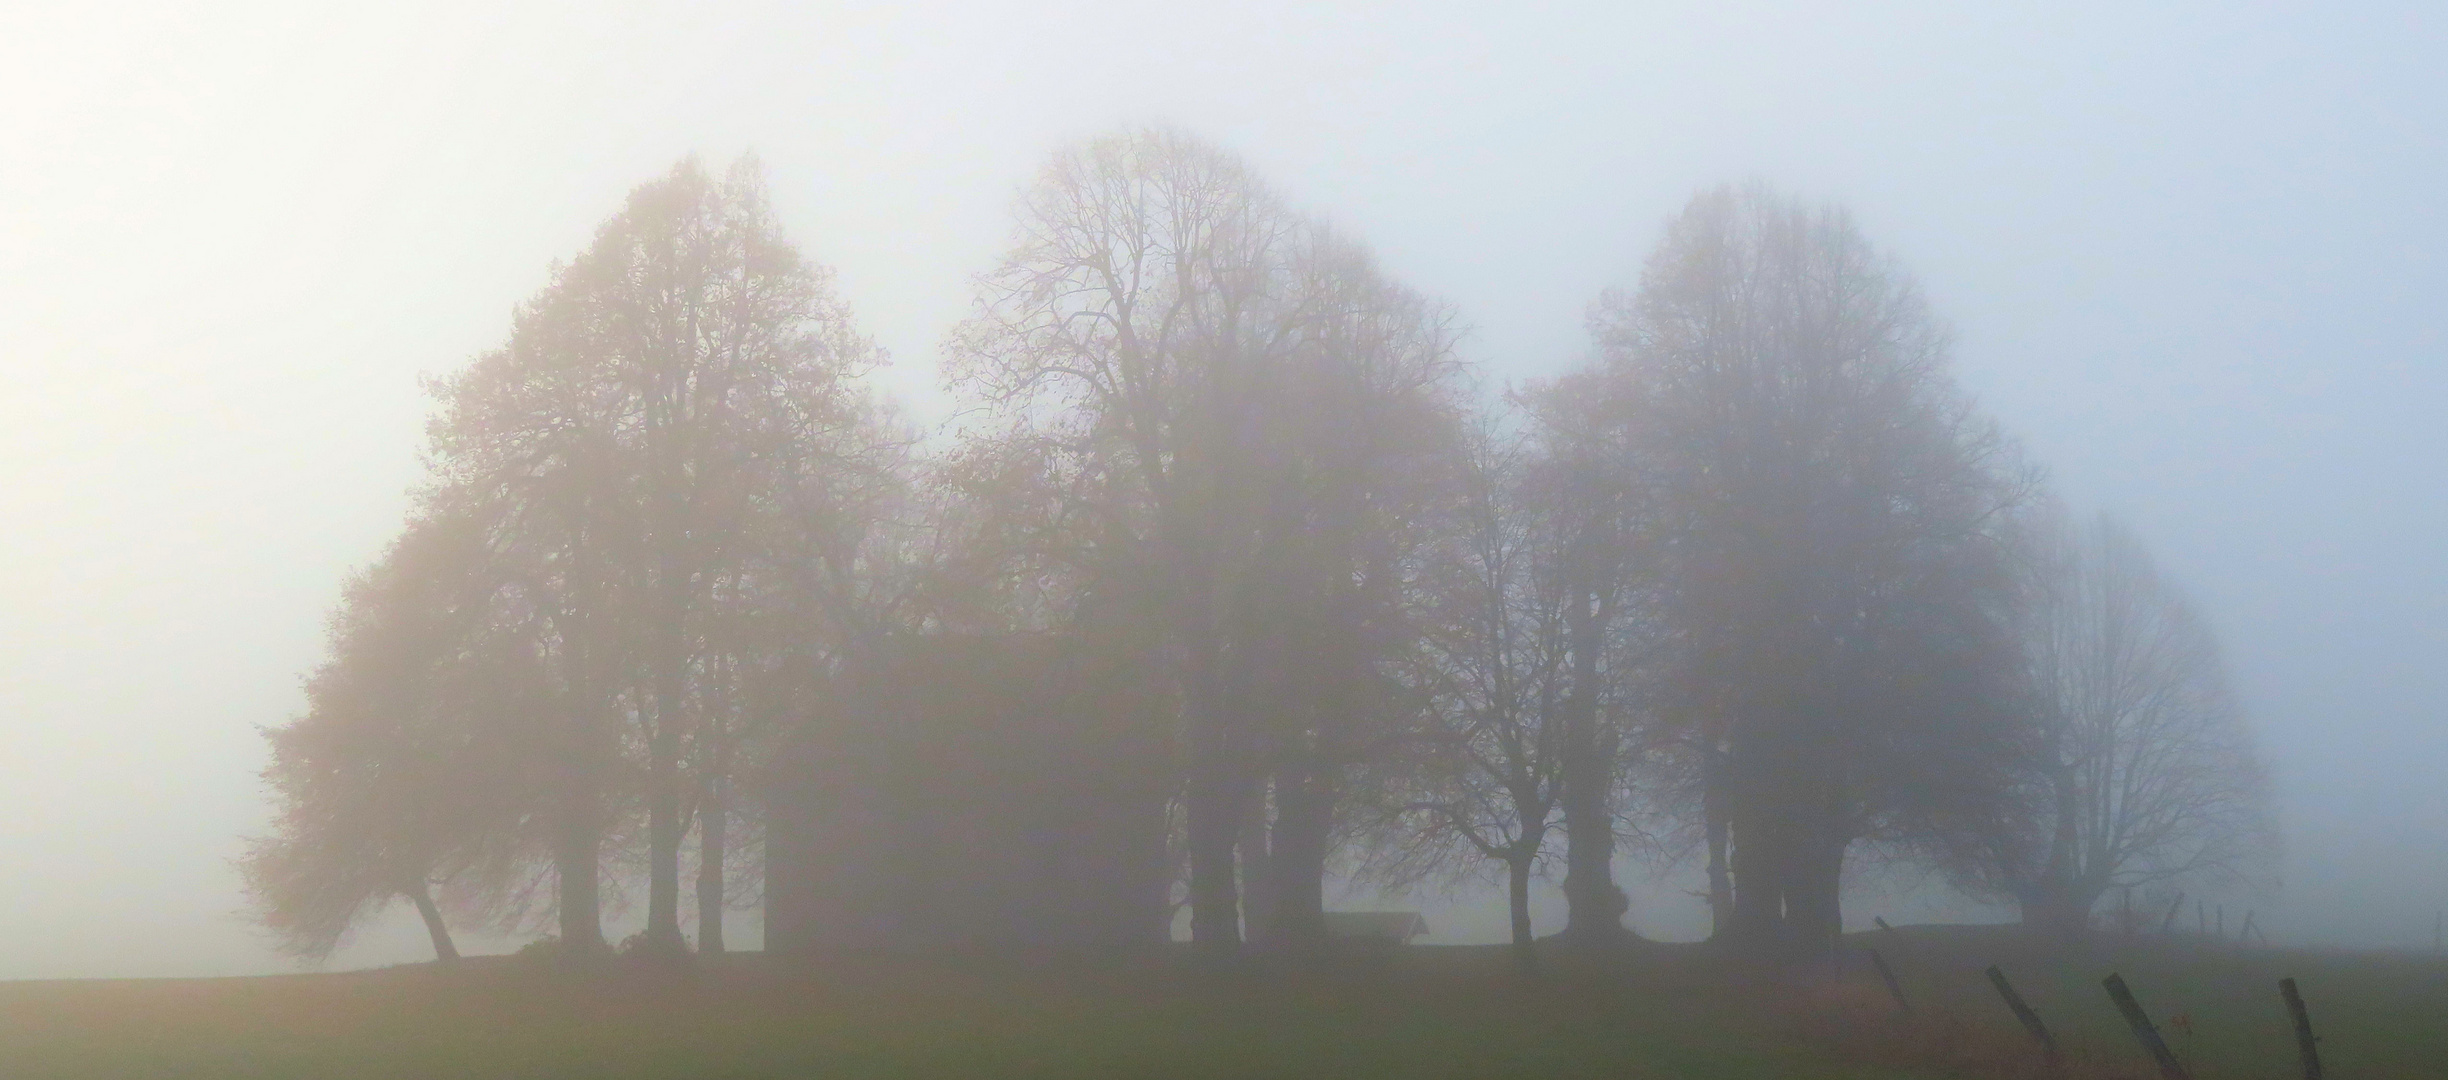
(970, 791)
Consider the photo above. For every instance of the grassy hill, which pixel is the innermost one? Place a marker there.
(1663, 1011)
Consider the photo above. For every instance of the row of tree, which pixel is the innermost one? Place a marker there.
(1756, 576)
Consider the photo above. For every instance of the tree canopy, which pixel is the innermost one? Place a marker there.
(1756, 572)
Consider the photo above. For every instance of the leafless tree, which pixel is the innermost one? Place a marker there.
(2143, 770)
(1480, 779)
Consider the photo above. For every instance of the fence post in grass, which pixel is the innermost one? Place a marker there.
(2305, 1042)
(1887, 975)
(2169, 1069)
(1894, 939)
(2023, 1012)
(2168, 925)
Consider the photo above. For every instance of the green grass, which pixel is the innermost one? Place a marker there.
(2377, 1015)
(1427, 1012)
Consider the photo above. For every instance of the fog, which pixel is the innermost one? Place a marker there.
(2194, 257)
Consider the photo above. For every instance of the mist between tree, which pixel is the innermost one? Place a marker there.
(1230, 577)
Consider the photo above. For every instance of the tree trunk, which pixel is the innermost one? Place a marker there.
(1814, 914)
(1757, 866)
(2079, 898)
(578, 832)
(712, 822)
(1218, 790)
(2049, 907)
(1215, 902)
(422, 895)
(663, 831)
(578, 837)
(1257, 868)
(1594, 906)
(1517, 893)
(1713, 802)
(2050, 904)
(1304, 820)
(575, 846)
(664, 825)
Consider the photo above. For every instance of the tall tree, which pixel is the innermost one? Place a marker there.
(1589, 482)
(1366, 460)
(1148, 345)
(1832, 507)
(684, 381)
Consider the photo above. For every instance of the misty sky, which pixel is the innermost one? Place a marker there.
(2197, 259)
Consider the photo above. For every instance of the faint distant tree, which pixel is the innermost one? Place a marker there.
(409, 766)
(2142, 769)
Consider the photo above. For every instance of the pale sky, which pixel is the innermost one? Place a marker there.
(2197, 258)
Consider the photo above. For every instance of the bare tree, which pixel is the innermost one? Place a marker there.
(1481, 778)
(2143, 770)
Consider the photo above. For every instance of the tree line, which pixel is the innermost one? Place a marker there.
(1755, 582)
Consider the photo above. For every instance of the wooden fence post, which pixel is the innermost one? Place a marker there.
(1894, 989)
(2169, 1069)
(2023, 1012)
(2306, 1043)
(2169, 924)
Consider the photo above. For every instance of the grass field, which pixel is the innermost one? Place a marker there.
(1428, 1012)
(2219, 1008)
